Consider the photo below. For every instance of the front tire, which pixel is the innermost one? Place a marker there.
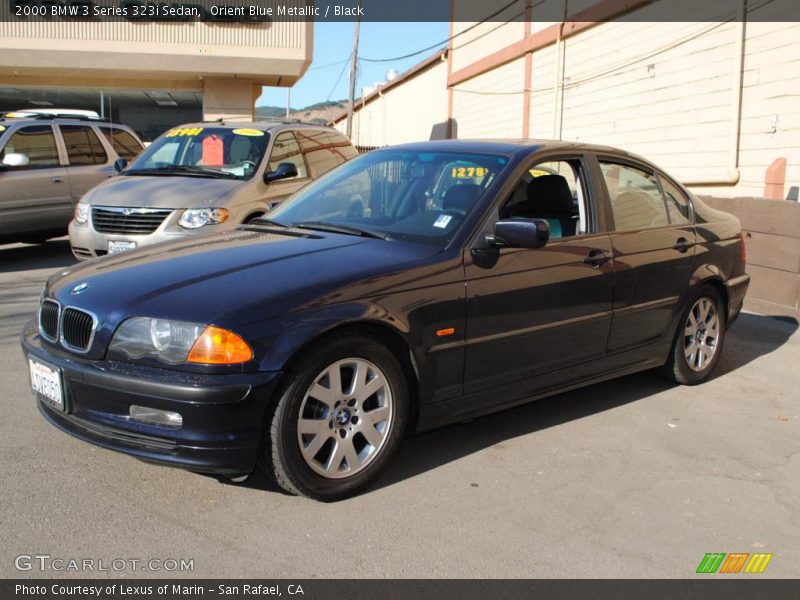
(339, 420)
(699, 339)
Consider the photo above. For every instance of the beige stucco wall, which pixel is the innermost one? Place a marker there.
(665, 90)
(407, 112)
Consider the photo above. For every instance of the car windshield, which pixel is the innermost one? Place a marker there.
(394, 194)
(203, 152)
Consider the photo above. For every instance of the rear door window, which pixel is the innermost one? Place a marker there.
(37, 142)
(125, 145)
(83, 146)
(635, 196)
(676, 202)
(324, 150)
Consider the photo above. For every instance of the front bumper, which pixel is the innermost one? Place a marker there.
(223, 415)
(737, 288)
(87, 243)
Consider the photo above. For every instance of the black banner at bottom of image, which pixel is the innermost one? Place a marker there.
(387, 589)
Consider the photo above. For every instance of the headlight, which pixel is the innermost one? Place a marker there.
(194, 218)
(81, 212)
(176, 342)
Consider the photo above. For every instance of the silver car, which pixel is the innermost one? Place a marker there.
(47, 163)
(202, 177)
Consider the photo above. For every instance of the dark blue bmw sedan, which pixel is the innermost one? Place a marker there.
(412, 287)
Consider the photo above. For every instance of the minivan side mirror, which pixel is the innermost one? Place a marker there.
(520, 233)
(16, 159)
(285, 170)
(120, 164)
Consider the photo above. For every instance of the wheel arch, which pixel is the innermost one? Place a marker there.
(389, 336)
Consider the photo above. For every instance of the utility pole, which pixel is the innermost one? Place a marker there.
(353, 77)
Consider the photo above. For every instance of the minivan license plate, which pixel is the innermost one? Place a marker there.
(117, 247)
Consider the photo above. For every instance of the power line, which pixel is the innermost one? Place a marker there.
(440, 44)
(338, 79)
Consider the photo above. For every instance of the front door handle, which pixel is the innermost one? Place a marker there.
(682, 245)
(596, 258)
(58, 180)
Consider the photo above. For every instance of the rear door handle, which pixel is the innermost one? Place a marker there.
(596, 257)
(682, 245)
(58, 180)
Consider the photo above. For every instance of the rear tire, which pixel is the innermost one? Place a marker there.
(699, 339)
(340, 418)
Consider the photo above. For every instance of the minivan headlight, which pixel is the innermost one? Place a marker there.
(195, 218)
(176, 342)
(81, 212)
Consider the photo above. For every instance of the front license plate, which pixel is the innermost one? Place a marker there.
(117, 247)
(46, 383)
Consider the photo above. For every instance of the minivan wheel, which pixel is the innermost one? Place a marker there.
(339, 420)
(698, 341)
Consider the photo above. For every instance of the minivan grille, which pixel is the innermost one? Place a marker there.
(77, 328)
(128, 221)
(48, 319)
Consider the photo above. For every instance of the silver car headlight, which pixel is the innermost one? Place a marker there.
(167, 341)
(194, 218)
(82, 212)
(177, 342)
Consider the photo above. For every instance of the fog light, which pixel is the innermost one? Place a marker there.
(154, 416)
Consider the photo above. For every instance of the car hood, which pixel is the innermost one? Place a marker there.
(160, 192)
(235, 277)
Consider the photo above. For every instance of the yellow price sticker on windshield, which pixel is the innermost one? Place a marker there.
(539, 172)
(468, 172)
(2, 128)
(249, 132)
(185, 132)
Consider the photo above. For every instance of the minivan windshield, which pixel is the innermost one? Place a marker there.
(394, 194)
(203, 152)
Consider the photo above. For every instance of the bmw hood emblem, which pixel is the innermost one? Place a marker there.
(80, 288)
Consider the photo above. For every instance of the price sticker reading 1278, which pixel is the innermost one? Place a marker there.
(468, 172)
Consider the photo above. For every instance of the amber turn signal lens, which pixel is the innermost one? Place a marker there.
(217, 346)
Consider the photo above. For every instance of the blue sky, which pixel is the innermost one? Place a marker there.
(333, 43)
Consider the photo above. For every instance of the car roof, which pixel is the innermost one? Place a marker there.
(7, 122)
(258, 125)
(509, 147)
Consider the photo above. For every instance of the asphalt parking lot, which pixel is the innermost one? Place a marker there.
(631, 478)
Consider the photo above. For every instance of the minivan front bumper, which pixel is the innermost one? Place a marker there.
(88, 243)
(223, 415)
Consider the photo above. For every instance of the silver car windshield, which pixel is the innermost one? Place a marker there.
(203, 152)
(395, 195)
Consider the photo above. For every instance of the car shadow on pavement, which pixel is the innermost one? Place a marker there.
(50, 255)
(750, 338)
(753, 336)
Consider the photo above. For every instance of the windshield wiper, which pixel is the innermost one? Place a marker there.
(336, 228)
(265, 221)
(182, 170)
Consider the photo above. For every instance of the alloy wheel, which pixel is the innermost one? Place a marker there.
(701, 334)
(345, 418)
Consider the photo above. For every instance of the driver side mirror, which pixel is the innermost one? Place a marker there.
(520, 233)
(16, 159)
(120, 164)
(285, 170)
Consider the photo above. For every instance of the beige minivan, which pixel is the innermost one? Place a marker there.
(201, 177)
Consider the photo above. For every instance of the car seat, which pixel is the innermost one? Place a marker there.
(549, 198)
(460, 199)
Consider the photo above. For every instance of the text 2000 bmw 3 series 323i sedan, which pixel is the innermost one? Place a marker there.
(412, 287)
